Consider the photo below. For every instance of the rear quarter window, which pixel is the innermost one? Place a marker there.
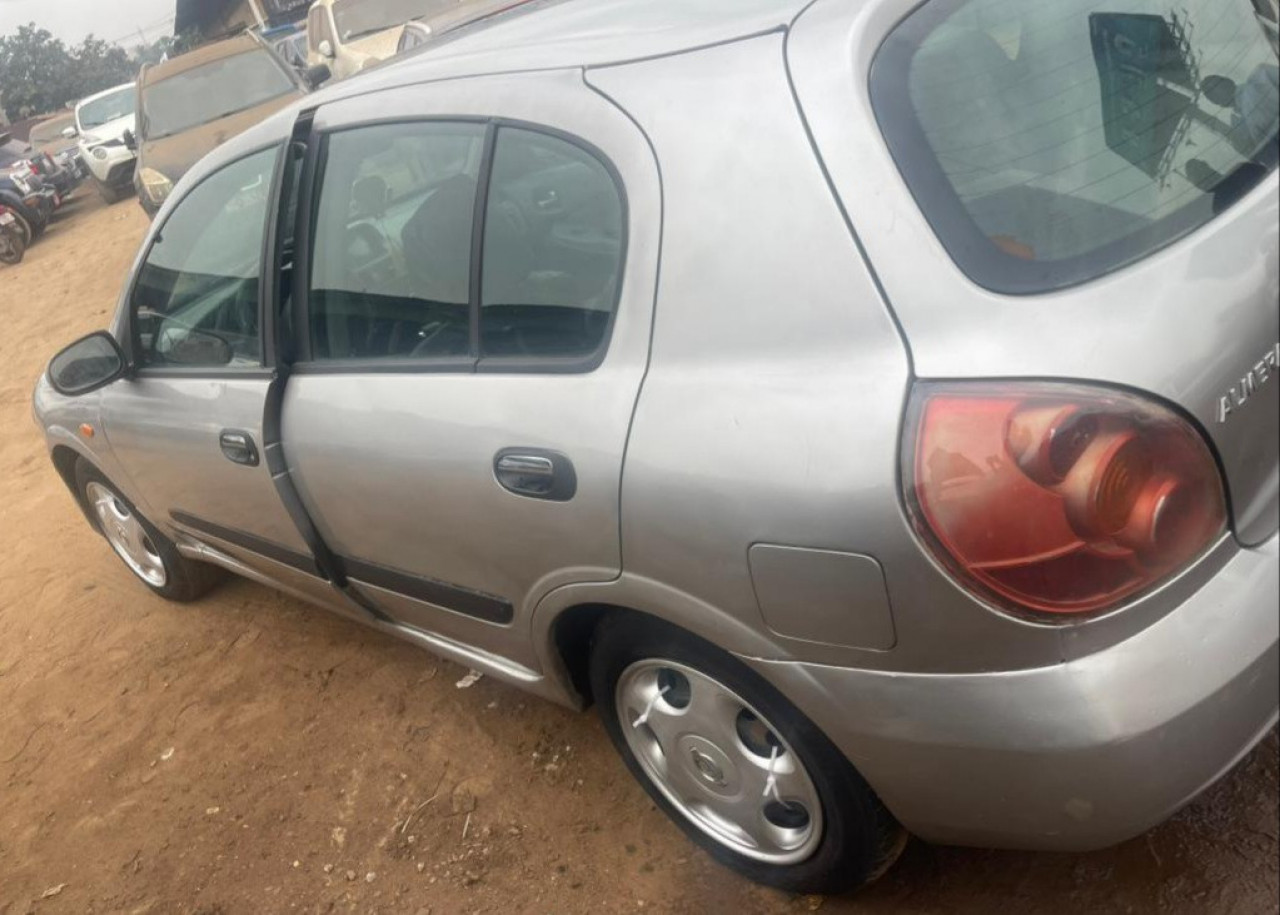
(1049, 142)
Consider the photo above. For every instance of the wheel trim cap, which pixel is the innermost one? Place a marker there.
(126, 535)
(697, 760)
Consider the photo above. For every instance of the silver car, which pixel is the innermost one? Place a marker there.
(871, 407)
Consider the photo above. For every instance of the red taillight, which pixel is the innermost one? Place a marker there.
(1058, 499)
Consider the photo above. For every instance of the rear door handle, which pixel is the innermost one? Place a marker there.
(535, 473)
(237, 445)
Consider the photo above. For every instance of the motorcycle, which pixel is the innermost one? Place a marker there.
(14, 237)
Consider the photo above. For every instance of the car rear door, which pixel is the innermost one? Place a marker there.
(479, 279)
(188, 425)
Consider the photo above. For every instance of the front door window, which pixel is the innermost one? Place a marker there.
(196, 301)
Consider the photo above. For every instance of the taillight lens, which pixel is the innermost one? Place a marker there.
(1058, 499)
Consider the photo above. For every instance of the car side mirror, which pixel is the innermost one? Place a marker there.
(70, 133)
(130, 141)
(90, 363)
(188, 346)
(316, 75)
(325, 47)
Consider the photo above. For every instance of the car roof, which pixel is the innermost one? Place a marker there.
(198, 57)
(540, 35)
(547, 34)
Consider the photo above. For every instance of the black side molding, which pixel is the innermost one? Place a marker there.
(273, 454)
(460, 600)
(475, 604)
(268, 548)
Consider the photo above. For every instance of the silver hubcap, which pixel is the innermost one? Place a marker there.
(126, 535)
(719, 762)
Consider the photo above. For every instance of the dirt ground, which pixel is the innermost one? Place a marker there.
(251, 754)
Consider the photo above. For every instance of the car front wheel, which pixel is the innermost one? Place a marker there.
(736, 765)
(108, 193)
(23, 228)
(148, 553)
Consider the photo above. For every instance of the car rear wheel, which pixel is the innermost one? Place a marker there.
(735, 764)
(148, 553)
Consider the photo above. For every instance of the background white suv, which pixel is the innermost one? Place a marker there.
(347, 35)
(102, 121)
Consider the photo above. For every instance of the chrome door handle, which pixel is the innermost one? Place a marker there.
(536, 473)
(238, 446)
(531, 464)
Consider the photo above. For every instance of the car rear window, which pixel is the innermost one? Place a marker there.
(1050, 142)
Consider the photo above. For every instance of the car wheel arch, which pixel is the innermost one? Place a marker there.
(66, 448)
(565, 620)
(64, 461)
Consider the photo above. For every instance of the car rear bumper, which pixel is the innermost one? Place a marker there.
(1073, 757)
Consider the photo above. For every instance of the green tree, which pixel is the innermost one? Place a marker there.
(39, 73)
(35, 72)
(98, 65)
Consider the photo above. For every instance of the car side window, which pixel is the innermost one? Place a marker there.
(391, 258)
(552, 257)
(195, 302)
(393, 274)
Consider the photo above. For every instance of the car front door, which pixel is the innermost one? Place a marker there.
(187, 426)
(479, 286)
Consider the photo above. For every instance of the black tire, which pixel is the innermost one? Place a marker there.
(35, 224)
(860, 838)
(23, 228)
(12, 248)
(108, 193)
(185, 579)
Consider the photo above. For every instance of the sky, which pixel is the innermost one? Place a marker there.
(72, 20)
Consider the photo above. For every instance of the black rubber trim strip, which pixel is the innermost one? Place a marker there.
(267, 548)
(278, 348)
(460, 600)
(304, 216)
(480, 211)
(273, 455)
